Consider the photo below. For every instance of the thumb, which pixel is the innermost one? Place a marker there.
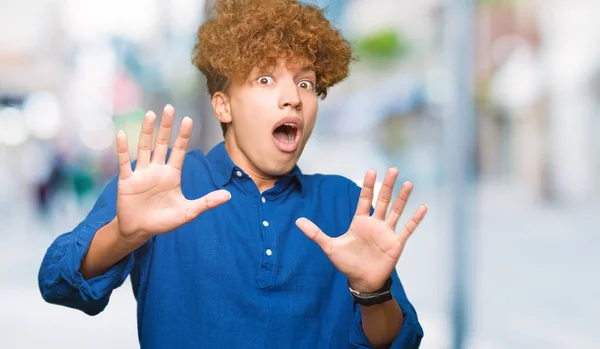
(313, 232)
(208, 201)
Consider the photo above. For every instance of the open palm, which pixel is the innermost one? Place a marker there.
(369, 251)
(149, 199)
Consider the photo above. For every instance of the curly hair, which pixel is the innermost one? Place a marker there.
(243, 34)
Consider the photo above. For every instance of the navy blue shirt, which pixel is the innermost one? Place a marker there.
(241, 275)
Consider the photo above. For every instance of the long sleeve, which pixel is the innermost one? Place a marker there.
(59, 279)
(411, 333)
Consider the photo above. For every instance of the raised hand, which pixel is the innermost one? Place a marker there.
(369, 251)
(149, 199)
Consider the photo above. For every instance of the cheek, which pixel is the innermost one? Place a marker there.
(311, 108)
(251, 116)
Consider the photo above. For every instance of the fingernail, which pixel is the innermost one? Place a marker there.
(219, 194)
(121, 133)
(168, 106)
(228, 194)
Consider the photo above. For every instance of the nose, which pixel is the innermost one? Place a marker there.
(289, 96)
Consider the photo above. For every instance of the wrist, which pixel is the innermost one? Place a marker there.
(129, 241)
(105, 250)
(363, 286)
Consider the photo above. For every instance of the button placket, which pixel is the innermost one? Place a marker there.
(267, 234)
(267, 268)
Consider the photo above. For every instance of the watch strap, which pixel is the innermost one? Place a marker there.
(368, 299)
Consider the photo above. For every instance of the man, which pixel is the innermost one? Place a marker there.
(236, 267)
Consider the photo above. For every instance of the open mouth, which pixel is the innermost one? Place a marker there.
(287, 134)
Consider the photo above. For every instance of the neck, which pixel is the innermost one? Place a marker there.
(262, 181)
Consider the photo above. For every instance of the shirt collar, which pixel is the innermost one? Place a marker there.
(224, 168)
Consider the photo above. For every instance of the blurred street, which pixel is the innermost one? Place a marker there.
(543, 302)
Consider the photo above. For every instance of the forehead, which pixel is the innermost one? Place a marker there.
(292, 64)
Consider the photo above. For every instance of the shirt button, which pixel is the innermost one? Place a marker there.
(263, 200)
(238, 173)
(269, 252)
(265, 223)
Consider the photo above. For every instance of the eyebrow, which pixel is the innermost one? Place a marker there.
(306, 68)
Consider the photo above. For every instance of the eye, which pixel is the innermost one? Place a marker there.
(265, 80)
(306, 84)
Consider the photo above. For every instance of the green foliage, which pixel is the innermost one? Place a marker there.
(386, 44)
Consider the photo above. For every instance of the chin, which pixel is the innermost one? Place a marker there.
(280, 169)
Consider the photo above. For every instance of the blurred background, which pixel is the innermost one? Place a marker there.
(490, 107)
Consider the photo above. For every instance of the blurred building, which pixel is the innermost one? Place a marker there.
(537, 69)
(73, 72)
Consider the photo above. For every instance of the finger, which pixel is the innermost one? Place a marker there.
(366, 194)
(144, 150)
(314, 233)
(410, 227)
(385, 194)
(123, 156)
(181, 142)
(161, 144)
(399, 204)
(205, 203)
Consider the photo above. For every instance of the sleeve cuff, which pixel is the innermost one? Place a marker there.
(409, 336)
(100, 286)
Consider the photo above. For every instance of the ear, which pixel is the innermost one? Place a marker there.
(221, 106)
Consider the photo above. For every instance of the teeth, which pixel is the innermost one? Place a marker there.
(290, 124)
(291, 137)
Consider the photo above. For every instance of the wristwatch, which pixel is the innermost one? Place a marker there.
(369, 299)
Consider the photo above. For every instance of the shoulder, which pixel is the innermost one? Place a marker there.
(195, 155)
(335, 193)
(331, 182)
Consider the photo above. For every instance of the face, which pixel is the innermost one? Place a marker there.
(270, 118)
